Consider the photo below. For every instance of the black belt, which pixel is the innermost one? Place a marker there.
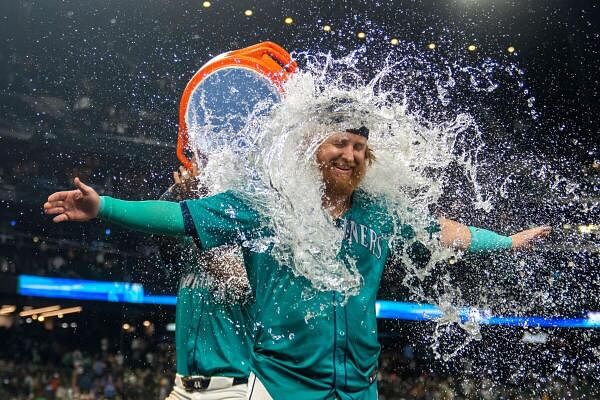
(197, 383)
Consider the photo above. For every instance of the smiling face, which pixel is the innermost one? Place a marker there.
(342, 159)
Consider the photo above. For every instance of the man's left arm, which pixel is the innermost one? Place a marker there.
(462, 237)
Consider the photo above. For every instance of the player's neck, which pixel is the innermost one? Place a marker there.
(336, 203)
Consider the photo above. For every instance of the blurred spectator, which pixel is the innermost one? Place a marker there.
(83, 375)
(146, 370)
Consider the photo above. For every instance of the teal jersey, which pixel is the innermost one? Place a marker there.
(307, 344)
(211, 338)
(212, 335)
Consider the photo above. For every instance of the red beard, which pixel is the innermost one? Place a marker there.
(342, 184)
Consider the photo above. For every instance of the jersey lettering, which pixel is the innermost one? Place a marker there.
(354, 231)
(195, 280)
(368, 238)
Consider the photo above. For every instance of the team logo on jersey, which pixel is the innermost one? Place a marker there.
(364, 236)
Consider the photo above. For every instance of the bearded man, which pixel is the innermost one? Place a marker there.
(306, 347)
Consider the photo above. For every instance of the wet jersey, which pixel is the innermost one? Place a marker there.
(212, 335)
(307, 345)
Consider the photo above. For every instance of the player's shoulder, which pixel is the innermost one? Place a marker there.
(373, 206)
(224, 198)
(369, 201)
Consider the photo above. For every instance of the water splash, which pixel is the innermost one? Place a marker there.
(424, 131)
(279, 172)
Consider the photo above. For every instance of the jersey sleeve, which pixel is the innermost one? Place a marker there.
(151, 216)
(407, 243)
(219, 220)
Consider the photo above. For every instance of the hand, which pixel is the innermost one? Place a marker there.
(186, 180)
(81, 204)
(527, 238)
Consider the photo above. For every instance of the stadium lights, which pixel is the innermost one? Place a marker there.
(588, 229)
(583, 229)
(511, 49)
(288, 20)
(394, 42)
(431, 46)
(534, 338)
(33, 311)
(594, 316)
(361, 35)
(62, 312)
(385, 309)
(206, 4)
(126, 326)
(146, 323)
(248, 13)
(428, 312)
(472, 48)
(327, 28)
(7, 309)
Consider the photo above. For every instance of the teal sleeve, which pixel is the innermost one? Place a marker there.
(222, 219)
(153, 216)
(484, 240)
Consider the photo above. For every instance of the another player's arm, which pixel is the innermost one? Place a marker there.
(185, 186)
(462, 237)
(171, 248)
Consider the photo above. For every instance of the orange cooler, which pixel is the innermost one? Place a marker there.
(224, 93)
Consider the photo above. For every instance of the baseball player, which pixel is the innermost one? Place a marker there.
(305, 347)
(212, 335)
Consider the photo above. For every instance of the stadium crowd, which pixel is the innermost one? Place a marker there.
(54, 369)
(142, 367)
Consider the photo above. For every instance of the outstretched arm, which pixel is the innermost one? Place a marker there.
(84, 204)
(462, 237)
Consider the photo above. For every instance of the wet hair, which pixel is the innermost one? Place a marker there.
(345, 113)
(370, 156)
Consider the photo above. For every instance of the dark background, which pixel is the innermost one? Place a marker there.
(91, 89)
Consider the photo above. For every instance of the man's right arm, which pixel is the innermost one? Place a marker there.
(217, 220)
(84, 204)
(151, 216)
(212, 220)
